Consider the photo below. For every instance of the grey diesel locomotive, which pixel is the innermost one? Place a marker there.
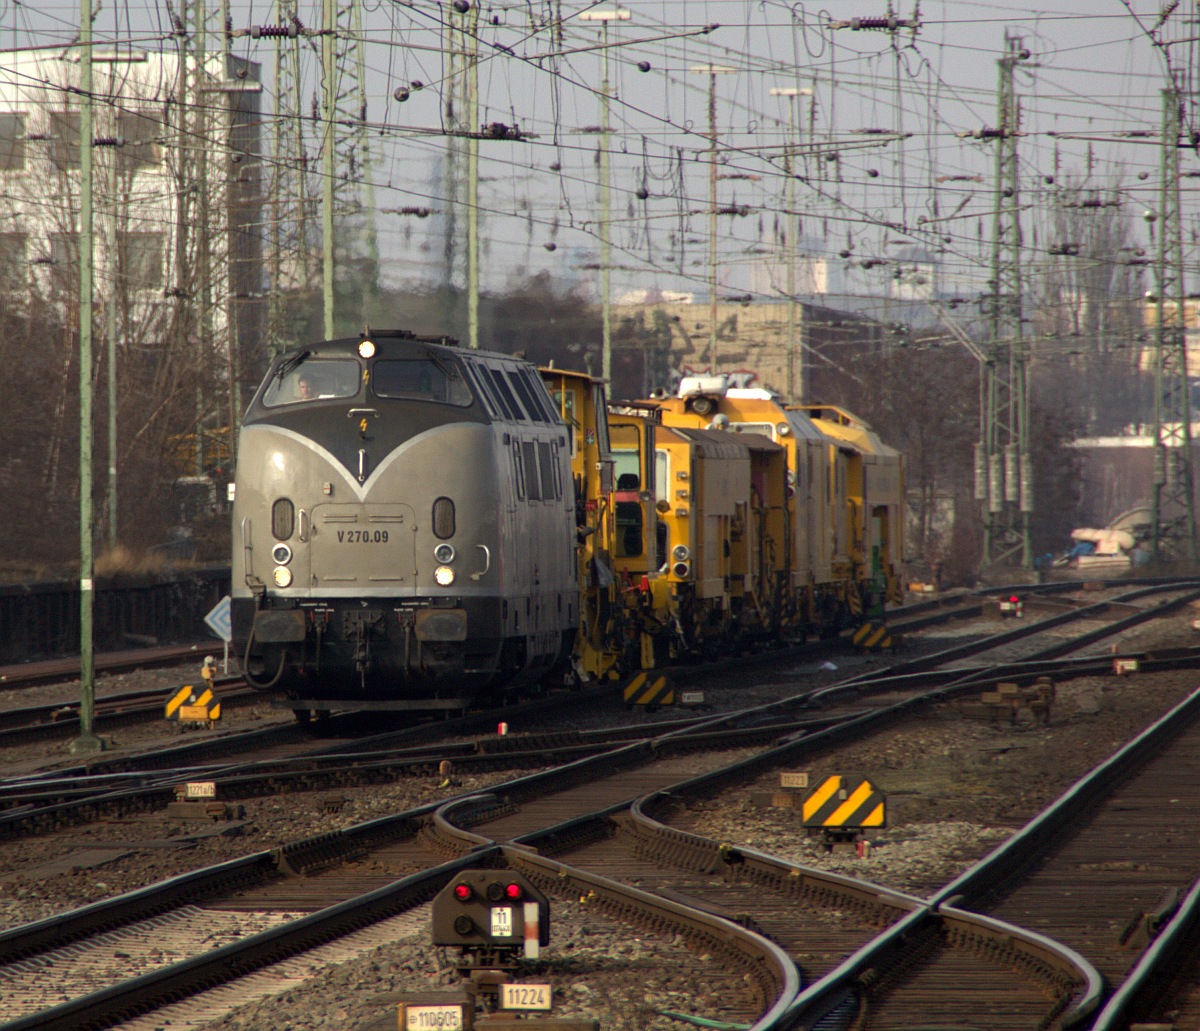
(403, 526)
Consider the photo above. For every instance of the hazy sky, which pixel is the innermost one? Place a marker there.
(891, 107)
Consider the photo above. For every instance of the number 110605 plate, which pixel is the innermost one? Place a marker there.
(437, 1017)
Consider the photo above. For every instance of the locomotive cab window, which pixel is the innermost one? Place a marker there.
(314, 380)
(627, 456)
(564, 408)
(420, 379)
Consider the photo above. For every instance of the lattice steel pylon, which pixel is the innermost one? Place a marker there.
(348, 226)
(1003, 469)
(454, 106)
(292, 261)
(1174, 506)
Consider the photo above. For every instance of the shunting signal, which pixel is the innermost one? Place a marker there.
(188, 705)
(840, 803)
(872, 636)
(1012, 607)
(641, 690)
(494, 915)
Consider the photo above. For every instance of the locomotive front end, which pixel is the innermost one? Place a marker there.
(367, 530)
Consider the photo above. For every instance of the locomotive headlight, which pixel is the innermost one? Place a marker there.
(282, 576)
(444, 553)
(680, 553)
(282, 554)
(366, 349)
(680, 569)
(783, 429)
(443, 576)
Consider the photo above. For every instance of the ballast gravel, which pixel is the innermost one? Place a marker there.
(957, 786)
(596, 970)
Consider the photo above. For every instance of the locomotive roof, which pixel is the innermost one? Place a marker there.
(392, 341)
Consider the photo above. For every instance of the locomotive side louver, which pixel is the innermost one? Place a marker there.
(283, 519)
(443, 518)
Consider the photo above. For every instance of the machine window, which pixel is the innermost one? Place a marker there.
(503, 395)
(564, 410)
(518, 469)
(557, 473)
(600, 406)
(531, 471)
(522, 391)
(420, 379)
(507, 397)
(547, 466)
(627, 458)
(12, 142)
(483, 390)
(662, 473)
(540, 397)
(316, 379)
(629, 529)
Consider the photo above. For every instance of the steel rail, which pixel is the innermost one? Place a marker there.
(62, 719)
(16, 676)
(130, 998)
(453, 819)
(319, 850)
(753, 950)
(1050, 623)
(134, 996)
(39, 800)
(1177, 940)
(127, 799)
(1007, 859)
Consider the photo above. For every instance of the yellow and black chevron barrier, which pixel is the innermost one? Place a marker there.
(187, 706)
(873, 636)
(641, 690)
(843, 803)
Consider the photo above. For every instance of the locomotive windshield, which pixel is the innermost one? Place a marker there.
(420, 379)
(316, 379)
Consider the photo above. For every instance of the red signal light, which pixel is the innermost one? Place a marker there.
(463, 892)
(1014, 599)
(512, 892)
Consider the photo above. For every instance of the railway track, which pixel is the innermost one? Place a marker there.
(57, 720)
(400, 847)
(86, 792)
(1100, 871)
(49, 671)
(60, 718)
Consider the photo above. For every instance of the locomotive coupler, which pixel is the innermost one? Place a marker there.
(359, 624)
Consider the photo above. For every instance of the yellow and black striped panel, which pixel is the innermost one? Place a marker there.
(872, 636)
(181, 697)
(842, 802)
(185, 705)
(641, 690)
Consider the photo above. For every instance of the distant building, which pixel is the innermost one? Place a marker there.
(1191, 334)
(169, 181)
(657, 343)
